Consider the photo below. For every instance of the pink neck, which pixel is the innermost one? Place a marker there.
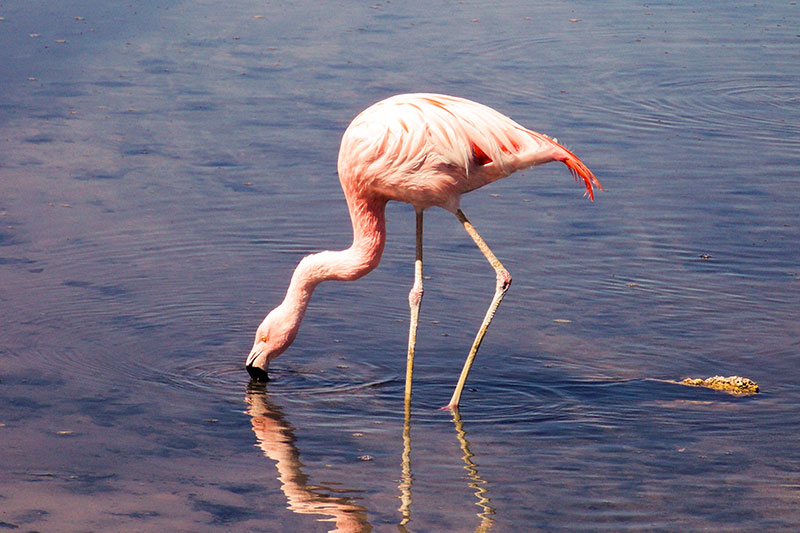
(369, 237)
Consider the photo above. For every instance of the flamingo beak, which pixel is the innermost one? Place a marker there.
(257, 365)
(257, 374)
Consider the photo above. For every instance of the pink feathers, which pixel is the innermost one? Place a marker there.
(428, 150)
(576, 166)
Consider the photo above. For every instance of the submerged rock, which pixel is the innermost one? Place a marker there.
(733, 384)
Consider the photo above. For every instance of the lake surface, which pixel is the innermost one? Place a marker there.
(164, 166)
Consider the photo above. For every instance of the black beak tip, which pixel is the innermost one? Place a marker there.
(257, 374)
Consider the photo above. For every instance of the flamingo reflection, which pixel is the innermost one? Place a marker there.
(276, 439)
(476, 482)
(406, 479)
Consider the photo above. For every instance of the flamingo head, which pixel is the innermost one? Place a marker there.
(274, 335)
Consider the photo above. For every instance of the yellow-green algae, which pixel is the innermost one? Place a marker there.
(732, 384)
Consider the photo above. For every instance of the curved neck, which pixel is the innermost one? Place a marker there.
(369, 237)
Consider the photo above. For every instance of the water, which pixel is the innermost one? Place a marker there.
(164, 167)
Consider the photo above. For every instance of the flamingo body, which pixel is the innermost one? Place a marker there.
(426, 150)
(429, 149)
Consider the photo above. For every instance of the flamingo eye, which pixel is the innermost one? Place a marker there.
(264, 338)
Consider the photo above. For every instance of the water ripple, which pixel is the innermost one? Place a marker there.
(636, 102)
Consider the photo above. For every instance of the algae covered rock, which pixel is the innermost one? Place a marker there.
(732, 384)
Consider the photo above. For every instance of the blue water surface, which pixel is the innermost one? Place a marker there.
(163, 167)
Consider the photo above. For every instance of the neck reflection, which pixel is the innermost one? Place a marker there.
(276, 439)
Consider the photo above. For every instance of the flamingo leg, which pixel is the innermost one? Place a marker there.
(414, 301)
(503, 282)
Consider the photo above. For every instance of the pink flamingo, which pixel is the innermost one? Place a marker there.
(426, 150)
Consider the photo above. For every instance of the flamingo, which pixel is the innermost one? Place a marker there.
(426, 150)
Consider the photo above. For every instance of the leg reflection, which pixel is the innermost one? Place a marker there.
(276, 439)
(405, 470)
(477, 483)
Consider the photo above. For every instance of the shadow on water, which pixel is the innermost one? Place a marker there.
(276, 438)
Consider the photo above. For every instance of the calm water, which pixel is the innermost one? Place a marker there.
(164, 166)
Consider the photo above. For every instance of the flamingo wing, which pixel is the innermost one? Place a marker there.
(428, 149)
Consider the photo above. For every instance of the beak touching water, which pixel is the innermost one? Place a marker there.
(257, 364)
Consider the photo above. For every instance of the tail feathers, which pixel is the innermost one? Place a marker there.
(575, 165)
(579, 170)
